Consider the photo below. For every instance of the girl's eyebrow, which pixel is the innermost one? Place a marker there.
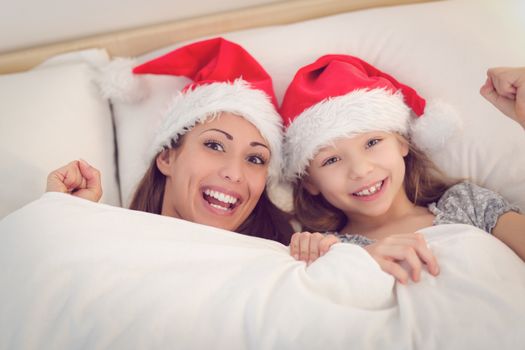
(230, 137)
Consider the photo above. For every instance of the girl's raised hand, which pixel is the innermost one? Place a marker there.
(394, 251)
(307, 247)
(505, 89)
(77, 178)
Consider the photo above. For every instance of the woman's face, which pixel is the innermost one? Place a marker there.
(218, 173)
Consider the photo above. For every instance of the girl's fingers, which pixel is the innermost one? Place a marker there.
(304, 246)
(326, 243)
(294, 245)
(425, 254)
(394, 269)
(308, 247)
(315, 239)
(414, 262)
(410, 248)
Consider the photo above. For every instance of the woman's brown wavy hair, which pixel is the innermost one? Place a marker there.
(265, 221)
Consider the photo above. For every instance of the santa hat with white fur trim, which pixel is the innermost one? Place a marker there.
(341, 96)
(225, 78)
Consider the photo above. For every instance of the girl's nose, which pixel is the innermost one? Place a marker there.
(359, 168)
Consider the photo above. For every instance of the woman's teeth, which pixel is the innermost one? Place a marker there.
(370, 190)
(226, 200)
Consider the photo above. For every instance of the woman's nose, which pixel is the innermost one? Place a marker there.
(232, 171)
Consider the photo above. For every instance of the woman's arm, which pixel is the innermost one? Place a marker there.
(510, 229)
(77, 178)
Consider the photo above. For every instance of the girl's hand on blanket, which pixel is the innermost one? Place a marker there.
(77, 178)
(307, 247)
(403, 249)
(505, 89)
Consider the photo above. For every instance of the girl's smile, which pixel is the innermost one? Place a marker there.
(372, 192)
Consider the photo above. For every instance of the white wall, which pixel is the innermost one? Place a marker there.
(26, 23)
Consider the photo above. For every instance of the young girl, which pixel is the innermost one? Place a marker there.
(217, 150)
(354, 151)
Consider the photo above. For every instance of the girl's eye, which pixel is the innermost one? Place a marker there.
(372, 142)
(329, 161)
(214, 145)
(257, 159)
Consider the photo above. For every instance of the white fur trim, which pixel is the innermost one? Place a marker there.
(281, 194)
(435, 127)
(205, 101)
(357, 112)
(116, 81)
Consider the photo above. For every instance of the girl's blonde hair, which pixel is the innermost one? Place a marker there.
(424, 183)
(265, 221)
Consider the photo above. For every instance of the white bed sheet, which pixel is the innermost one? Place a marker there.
(76, 274)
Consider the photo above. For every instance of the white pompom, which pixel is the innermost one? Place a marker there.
(117, 81)
(436, 127)
(281, 195)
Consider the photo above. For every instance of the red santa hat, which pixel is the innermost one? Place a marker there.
(225, 78)
(342, 96)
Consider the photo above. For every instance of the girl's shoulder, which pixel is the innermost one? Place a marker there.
(360, 240)
(468, 203)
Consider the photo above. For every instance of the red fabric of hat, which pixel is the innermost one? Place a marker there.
(338, 75)
(211, 61)
(343, 96)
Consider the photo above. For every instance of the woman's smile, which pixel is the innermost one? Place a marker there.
(220, 201)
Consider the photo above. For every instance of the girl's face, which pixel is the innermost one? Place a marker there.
(362, 176)
(218, 173)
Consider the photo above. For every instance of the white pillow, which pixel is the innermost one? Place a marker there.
(50, 116)
(77, 274)
(442, 49)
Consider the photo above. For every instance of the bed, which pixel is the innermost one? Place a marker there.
(76, 274)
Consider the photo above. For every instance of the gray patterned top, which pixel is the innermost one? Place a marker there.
(464, 203)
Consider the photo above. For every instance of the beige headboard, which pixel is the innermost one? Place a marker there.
(141, 40)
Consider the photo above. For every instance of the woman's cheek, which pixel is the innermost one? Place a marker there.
(257, 179)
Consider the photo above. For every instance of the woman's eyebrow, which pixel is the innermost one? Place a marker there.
(228, 136)
(255, 143)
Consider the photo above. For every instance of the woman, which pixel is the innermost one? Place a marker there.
(217, 151)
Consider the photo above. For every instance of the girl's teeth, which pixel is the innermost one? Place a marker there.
(371, 190)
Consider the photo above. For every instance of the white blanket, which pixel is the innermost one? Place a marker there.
(75, 274)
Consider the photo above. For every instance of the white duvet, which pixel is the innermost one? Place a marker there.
(79, 275)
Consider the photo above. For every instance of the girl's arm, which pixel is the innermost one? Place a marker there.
(410, 248)
(389, 253)
(505, 89)
(510, 229)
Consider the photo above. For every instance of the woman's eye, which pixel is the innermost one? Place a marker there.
(329, 161)
(257, 160)
(214, 145)
(372, 142)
